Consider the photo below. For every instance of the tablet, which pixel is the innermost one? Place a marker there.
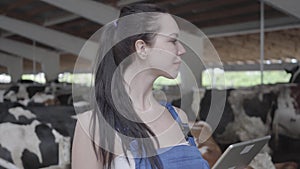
(239, 155)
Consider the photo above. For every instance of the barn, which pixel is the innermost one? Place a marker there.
(239, 76)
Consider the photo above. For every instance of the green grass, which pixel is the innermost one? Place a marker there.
(162, 81)
(40, 77)
(229, 79)
(236, 79)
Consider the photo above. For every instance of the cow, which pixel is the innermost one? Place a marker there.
(24, 93)
(22, 141)
(30, 93)
(295, 72)
(254, 112)
(34, 136)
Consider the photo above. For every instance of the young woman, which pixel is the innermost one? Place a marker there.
(127, 127)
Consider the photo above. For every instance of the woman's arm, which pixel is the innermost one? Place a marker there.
(208, 147)
(83, 154)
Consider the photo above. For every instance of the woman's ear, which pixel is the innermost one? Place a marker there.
(140, 47)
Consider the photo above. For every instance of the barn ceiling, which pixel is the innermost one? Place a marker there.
(229, 24)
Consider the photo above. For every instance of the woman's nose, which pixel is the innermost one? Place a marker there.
(181, 50)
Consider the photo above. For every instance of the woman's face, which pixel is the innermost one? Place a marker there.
(164, 55)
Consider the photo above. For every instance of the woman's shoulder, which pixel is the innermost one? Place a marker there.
(83, 152)
(88, 124)
(182, 115)
(84, 120)
(84, 117)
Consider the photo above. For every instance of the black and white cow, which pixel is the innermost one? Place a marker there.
(28, 93)
(257, 111)
(295, 72)
(32, 137)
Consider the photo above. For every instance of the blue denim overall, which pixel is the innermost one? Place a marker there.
(176, 157)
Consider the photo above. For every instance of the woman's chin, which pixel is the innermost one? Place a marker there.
(172, 75)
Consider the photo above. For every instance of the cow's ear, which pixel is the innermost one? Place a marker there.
(287, 70)
(292, 69)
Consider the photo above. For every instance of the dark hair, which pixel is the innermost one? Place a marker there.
(115, 112)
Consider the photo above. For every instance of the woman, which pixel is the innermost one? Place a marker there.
(128, 128)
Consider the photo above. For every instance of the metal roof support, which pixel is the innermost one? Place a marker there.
(92, 10)
(251, 27)
(43, 35)
(290, 7)
(262, 41)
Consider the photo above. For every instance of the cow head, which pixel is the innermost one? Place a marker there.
(295, 71)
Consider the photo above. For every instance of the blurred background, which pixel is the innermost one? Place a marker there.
(258, 42)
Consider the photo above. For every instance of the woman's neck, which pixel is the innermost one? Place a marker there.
(139, 84)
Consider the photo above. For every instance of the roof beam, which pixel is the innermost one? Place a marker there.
(48, 59)
(60, 20)
(44, 35)
(237, 29)
(127, 2)
(95, 11)
(290, 7)
(251, 27)
(50, 22)
(25, 50)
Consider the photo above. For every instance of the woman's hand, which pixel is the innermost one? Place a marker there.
(209, 149)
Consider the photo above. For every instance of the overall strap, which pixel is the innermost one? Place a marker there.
(184, 126)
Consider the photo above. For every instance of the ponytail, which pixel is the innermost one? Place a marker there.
(113, 109)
